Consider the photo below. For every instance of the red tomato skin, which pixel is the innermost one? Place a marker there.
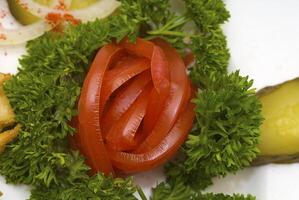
(161, 79)
(142, 48)
(175, 100)
(134, 109)
(90, 136)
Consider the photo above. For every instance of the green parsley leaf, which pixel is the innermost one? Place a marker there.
(207, 14)
(212, 56)
(225, 136)
(44, 94)
(97, 187)
(179, 191)
(228, 114)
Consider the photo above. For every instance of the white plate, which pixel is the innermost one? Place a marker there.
(263, 37)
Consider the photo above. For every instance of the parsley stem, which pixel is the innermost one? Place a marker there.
(169, 33)
(141, 193)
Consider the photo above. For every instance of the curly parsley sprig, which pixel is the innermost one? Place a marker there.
(181, 191)
(228, 114)
(44, 94)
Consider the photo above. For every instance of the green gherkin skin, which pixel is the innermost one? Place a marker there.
(283, 159)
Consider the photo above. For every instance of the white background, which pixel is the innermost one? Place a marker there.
(263, 37)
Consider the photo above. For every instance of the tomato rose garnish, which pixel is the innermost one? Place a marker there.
(134, 109)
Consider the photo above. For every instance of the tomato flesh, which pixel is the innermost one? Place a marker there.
(124, 98)
(121, 136)
(130, 163)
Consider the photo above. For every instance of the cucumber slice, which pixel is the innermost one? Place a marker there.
(25, 18)
(77, 4)
(20, 14)
(280, 130)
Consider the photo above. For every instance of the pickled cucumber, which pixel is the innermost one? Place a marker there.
(25, 18)
(279, 140)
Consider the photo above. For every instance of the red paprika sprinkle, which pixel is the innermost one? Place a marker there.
(61, 5)
(2, 36)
